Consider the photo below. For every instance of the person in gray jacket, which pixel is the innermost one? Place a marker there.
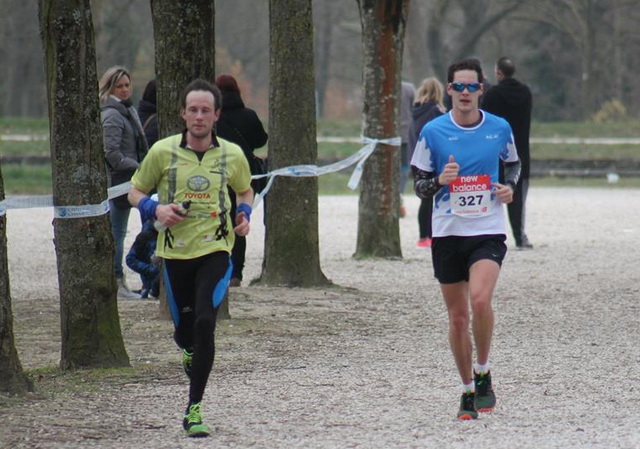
(124, 147)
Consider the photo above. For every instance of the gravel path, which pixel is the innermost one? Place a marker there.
(365, 365)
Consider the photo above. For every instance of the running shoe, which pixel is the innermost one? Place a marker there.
(424, 243)
(485, 397)
(192, 422)
(187, 359)
(467, 407)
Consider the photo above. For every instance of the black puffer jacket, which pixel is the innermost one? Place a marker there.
(240, 125)
(149, 119)
(511, 100)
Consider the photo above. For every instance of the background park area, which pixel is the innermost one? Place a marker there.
(562, 153)
(365, 363)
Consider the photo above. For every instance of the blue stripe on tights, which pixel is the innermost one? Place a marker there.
(173, 307)
(222, 286)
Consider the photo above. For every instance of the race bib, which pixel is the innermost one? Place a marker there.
(470, 195)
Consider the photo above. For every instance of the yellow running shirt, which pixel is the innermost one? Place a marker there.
(179, 175)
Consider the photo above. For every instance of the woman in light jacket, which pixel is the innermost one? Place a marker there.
(124, 147)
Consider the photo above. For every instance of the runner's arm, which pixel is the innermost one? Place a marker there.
(425, 183)
(512, 173)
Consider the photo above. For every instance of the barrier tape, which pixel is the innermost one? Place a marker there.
(87, 210)
(359, 157)
(94, 210)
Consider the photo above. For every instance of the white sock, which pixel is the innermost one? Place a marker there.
(481, 369)
(469, 388)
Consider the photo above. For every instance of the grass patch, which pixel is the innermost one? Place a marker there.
(340, 128)
(27, 148)
(330, 152)
(336, 184)
(557, 181)
(623, 129)
(22, 179)
(36, 179)
(12, 125)
(543, 151)
(630, 128)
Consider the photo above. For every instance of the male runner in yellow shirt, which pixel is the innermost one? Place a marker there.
(194, 168)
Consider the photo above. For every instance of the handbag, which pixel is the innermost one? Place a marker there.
(258, 166)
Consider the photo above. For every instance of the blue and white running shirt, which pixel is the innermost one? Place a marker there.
(478, 151)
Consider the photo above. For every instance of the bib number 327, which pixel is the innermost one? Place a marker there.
(470, 195)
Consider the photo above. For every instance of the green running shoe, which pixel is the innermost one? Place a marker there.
(192, 423)
(467, 407)
(485, 397)
(187, 358)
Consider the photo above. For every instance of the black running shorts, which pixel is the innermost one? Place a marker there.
(453, 256)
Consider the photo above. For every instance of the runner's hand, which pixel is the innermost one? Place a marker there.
(242, 225)
(504, 192)
(450, 172)
(169, 214)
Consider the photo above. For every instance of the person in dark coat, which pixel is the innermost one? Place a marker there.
(512, 100)
(148, 113)
(429, 105)
(240, 125)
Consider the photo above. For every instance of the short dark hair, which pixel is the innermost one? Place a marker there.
(201, 84)
(465, 64)
(506, 66)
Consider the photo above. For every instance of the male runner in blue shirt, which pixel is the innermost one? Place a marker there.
(456, 160)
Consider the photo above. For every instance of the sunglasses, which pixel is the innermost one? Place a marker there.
(460, 87)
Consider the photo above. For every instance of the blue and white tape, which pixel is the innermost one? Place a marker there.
(94, 210)
(86, 210)
(359, 157)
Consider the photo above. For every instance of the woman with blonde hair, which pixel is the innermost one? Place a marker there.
(124, 148)
(429, 105)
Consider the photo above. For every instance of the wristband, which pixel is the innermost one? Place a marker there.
(244, 207)
(147, 208)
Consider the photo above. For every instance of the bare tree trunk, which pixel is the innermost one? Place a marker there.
(184, 33)
(91, 334)
(383, 25)
(184, 51)
(292, 255)
(12, 378)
